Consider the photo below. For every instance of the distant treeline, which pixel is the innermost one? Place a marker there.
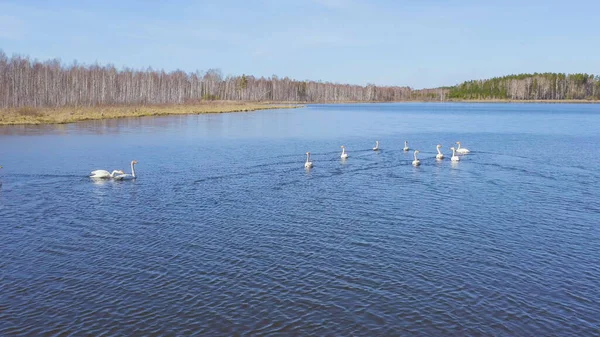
(546, 86)
(31, 83)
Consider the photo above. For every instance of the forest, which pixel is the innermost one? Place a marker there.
(52, 84)
(545, 86)
(31, 83)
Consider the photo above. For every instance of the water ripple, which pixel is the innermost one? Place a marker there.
(242, 240)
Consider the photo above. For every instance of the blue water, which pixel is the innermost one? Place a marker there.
(225, 233)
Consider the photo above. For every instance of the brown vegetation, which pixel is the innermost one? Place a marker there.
(28, 115)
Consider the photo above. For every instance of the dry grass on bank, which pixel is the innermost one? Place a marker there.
(75, 114)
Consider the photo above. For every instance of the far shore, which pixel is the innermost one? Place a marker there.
(542, 101)
(63, 115)
(546, 101)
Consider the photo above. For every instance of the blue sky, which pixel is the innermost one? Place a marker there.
(419, 43)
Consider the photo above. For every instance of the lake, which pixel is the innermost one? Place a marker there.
(225, 233)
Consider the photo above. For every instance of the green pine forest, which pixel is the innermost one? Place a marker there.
(536, 86)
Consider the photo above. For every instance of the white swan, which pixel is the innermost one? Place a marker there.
(406, 146)
(344, 154)
(376, 148)
(103, 174)
(462, 150)
(416, 162)
(308, 163)
(454, 156)
(440, 155)
(128, 176)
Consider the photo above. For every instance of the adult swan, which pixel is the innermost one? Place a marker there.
(104, 174)
(439, 155)
(416, 162)
(461, 150)
(344, 155)
(308, 164)
(454, 156)
(128, 176)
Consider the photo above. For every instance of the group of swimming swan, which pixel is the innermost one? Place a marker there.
(120, 175)
(115, 174)
(416, 162)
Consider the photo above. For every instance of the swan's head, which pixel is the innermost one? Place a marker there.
(452, 148)
(133, 162)
(342, 146)
(458, 143)
(307, 152)
(120, 171)
(438, 146)
(416, 151)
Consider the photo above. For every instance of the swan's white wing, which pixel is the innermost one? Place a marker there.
(99, 172)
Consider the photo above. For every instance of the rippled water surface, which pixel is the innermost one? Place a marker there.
(225, 233)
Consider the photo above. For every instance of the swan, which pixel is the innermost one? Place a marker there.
(103, 174)
(440, 155)
(376, 148)
(344, 154)
(308, 163)
(454, 156)
(127, 176)
(406, 146)
(416, 162)
(462, 150)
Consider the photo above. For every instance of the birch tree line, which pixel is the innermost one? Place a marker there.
(31, 83)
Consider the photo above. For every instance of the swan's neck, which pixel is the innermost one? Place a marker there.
(453, 152)
(343, 150)
(438, 149)
(405, 143)
(458, 148)
(415, 154)
(307, 157)
(132, 170)
(112, 174)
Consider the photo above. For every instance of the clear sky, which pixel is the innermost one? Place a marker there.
(419, 43)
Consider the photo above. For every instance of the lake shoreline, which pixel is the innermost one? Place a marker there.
(65, 115)
(570, 101)
(542, 101)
